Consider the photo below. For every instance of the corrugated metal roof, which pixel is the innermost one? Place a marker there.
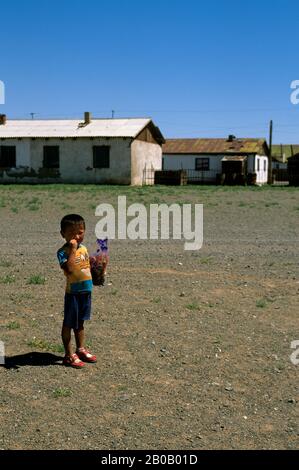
(193, 146)
(129, 127)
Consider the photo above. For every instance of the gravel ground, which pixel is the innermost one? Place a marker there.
(193, 346)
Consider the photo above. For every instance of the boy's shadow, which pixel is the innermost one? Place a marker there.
(32, 359)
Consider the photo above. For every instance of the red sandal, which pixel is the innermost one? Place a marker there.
(73, 361)
(85, 355)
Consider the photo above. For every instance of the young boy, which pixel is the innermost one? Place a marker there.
(74, 260)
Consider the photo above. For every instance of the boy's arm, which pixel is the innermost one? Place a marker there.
(68, 264)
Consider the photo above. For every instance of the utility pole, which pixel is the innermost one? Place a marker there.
(112, 112)
(270, 153)
(32, 115)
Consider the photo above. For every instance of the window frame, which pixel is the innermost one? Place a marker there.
(258, 164)
(11, 147)
(106, 156)
(52, 166)
(205, 161)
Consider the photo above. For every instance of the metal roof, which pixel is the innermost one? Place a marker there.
(129, 127)
(216, 146)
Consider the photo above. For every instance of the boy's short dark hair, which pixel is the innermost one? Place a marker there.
(71, 219)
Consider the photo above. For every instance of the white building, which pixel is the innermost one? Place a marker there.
(218, 160)
(104, 151)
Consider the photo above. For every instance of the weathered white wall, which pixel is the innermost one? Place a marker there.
(22, 159)
(76, 161)
(144, 154)
(187, 162)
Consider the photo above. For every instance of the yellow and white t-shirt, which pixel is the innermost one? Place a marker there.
(80, 279)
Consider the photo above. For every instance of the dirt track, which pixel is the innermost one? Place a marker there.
(193, 347)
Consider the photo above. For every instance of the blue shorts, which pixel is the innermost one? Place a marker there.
(77, 308)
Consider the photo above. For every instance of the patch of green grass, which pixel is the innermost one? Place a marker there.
(114, 292)
(261, 303)
(33, 208)
(212, 204)
(207, 260)
(157, 300)
(65, 206)
(193, 306)
(37, 279)
(5, 264)
(33, 204)
(34, 200)
(269, 204)
(62, 392)
(45, 345)
(14, 209)
(13, 325)
(7, 279)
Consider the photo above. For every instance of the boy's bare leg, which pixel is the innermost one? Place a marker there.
(66, 339)
(79, 335)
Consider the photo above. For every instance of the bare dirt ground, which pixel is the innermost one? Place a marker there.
(193, 347)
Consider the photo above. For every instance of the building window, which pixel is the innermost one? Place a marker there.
(202, 164)
(265, 165)
(7, 156)
(258, 164)
(51, 156)
(101, 156)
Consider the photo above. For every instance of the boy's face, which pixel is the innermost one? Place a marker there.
(74, 232)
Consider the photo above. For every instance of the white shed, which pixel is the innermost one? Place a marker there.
(210, 160)
(104, 151)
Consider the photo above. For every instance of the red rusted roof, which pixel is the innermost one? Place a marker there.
(193, 146)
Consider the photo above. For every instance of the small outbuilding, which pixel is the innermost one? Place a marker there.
(231, 160)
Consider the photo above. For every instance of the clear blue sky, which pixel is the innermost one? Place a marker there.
(199, 69)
